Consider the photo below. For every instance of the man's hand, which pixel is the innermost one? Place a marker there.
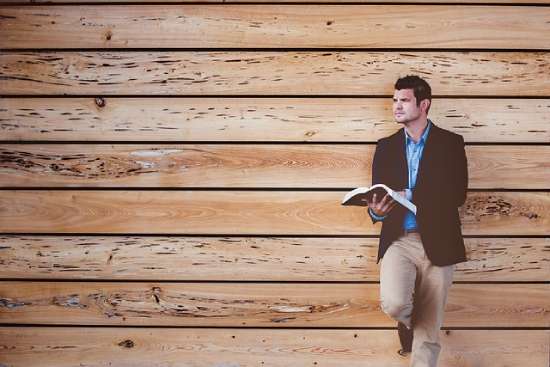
(384, 206)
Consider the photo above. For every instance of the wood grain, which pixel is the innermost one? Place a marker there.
(262, 119)
(160, 347)
(244, 212)
(239, 166)
(271, 73)
(257, 304)
(345, 2)
(248, 258)
(89, 277)
(275, 26)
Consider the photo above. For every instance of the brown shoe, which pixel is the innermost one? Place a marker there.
(402, 353)
(406, 339)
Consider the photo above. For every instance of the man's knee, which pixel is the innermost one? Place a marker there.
(399, 310)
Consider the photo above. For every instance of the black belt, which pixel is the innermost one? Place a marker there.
(413, 230)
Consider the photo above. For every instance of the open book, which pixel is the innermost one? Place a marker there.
(356, 197)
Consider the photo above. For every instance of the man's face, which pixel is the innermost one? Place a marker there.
(404, 106)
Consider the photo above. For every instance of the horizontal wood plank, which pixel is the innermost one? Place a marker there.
(262, 119)
(260, 304)
(248, 258)
(241, 166)
(275, 26)
(271, 72)
(244, 212)
(159, 347)
(511, 2)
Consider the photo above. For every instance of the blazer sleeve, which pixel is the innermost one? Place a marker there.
(377, 164)
(377, 172)
(460, 173)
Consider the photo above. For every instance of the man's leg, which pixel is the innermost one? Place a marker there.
(397, 282)
(433, 284)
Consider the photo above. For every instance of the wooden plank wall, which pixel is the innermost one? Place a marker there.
(171, 174)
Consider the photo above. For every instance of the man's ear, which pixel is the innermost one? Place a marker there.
(425, 103)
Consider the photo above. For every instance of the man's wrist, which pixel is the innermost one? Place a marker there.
(376, 217)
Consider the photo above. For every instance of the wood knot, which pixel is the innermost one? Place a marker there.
(108, 35)
(100, 101)
(126, 343)
(155, 294)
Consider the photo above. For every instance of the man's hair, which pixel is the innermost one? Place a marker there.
(420, 87)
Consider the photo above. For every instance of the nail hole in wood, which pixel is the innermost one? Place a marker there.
(100, 102)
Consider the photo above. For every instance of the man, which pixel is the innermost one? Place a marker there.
(426, 164)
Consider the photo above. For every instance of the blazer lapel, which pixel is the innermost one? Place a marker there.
(425, 166)
(402, 165)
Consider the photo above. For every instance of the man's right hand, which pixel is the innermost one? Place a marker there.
(383, 207)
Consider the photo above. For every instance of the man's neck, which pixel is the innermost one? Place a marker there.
(416, 128)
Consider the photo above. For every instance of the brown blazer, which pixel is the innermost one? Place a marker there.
(441, 186)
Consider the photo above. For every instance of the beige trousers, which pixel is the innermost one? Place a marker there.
(414, 292)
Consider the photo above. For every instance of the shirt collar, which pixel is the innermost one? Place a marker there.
(424, 134)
